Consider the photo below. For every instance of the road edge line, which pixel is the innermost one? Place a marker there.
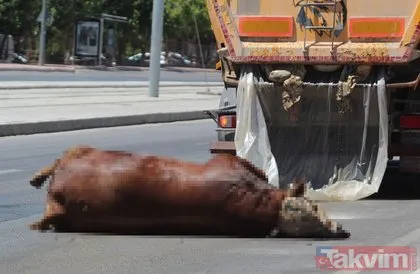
(102, 122)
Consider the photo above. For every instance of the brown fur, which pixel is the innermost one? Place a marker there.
(119, 192)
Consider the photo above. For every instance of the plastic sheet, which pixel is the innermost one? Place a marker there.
(344, 157)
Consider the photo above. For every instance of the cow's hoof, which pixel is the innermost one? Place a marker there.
(35, 226)
(37, 180)
(39, 226)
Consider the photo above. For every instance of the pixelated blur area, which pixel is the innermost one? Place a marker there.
(105, 191)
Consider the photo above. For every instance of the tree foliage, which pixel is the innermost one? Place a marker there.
(19, 18)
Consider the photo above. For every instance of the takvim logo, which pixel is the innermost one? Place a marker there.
(366, 258)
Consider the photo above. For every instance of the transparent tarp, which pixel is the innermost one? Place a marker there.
(343, 156)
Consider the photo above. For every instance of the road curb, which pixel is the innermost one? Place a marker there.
(105, 85)
(91, 123)
(45, 69)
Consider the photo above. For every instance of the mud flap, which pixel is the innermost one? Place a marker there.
(343, 155)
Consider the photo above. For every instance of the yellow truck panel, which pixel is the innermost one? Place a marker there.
(321, 32)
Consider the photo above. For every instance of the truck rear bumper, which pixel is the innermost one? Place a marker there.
(347, 53)
(223, 147)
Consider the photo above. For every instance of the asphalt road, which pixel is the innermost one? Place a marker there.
(371, 221)
(92, 75)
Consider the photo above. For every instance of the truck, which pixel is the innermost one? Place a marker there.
(325, 91)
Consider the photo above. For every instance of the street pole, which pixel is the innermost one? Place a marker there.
(41, 53)
(156, 47)
(201, 51)
(101, 41)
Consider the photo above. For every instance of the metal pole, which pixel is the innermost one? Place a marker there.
(101, 38)
(73, 51)
(156, 47)
(201, 50)
(41, 53)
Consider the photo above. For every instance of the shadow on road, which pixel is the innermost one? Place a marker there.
(398, 186)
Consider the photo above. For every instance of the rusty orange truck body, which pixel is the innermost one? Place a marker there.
(353, 31)
(291, 46)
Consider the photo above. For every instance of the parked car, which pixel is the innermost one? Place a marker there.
(19, 58)
(143, 59)
(178, 59)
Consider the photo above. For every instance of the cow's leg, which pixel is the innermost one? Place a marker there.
(54, 212)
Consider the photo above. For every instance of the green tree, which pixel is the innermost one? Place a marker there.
(18, 18)
(179, 21)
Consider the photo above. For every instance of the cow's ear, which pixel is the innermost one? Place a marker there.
(298, 188)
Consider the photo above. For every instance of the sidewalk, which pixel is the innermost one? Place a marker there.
(71, 68)
(30, 111)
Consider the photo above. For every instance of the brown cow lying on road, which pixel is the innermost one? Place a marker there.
(101, 191)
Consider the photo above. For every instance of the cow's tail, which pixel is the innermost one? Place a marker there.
(39, 179)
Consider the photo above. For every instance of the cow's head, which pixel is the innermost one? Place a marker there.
(302, 218)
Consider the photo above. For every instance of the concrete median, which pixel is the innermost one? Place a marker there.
(34, 111)
(13, 85)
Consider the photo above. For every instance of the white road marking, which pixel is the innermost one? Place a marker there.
(401, 241)
(8, 171)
